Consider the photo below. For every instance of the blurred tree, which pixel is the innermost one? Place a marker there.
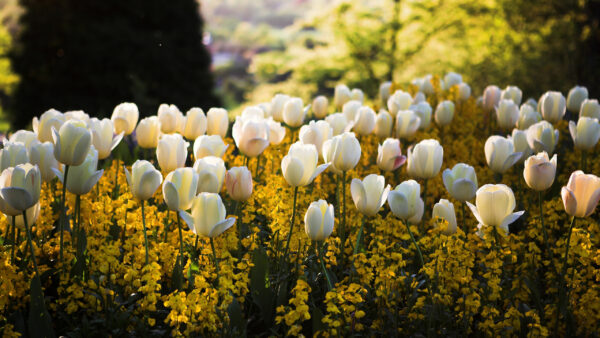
(92, 55)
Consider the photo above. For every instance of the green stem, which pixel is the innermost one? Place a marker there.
(14, 238)
(63, 213)
(238, 214)
(289, 238)
(583, 160)
(30, 241)
(180, 240)
(77, 218)
(145, 235)
(422, 223)
(464, 218)
(116, 187)
(544, 231)
(216, 261)
(257, 167)
(320, 252)
(359, 236)
(196, 244)
(343, 225)
(415, 243)
(562, 282)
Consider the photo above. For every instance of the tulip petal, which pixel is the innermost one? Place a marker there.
(116, 140)
(592, 202)
(510, 219)
(18, 198)
(511, 160)
(221, 227)
(91, 182)
(128, 178)
(149, 182)
(318, 171)
(58, 174)
(475, 212)
(569, 201)
(359, 195)
(171, 195)
(188, 219)
(463, 189)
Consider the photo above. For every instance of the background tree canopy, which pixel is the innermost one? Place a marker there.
(92, 55)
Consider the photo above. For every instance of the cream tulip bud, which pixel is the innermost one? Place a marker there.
(357, 94)
(370, 194)
(464, 91)
(211, 174)
(42, 155)
(384, 122)
(491, 98)
(28, 138)
(342, 151)
(238, 181)
(171, 152)
(389, 155)
(209, 145)
(364, 121)
(494, 206)
(72, 142)
(168, 115)
(294, 112)
(460, 182)
(13, 154)
(320, 105)
(82, 178)
(519, 139)
(195, 124)
(542, 137)
(341, 95)
(144, 179)
(426, 86)
(102, 136)
(399, 101)
(533, 103)
(507, 114)
(418, 98)
(500, 154)
(316, 133)
(585, 133)
(277, 103)
(539, 171)
(125, 117)
(451, 79)
(407, 123)
(405, 200)
(425, 159)
(590, 108)
(251, 135)
(384, 91)
(553, 106)
(148, 132)
(43, 126)
(339, 123)
(423, 111)
(217, 122)
(208, 216)
(575, 97)
(319, 220)
(351, 108)
(444, 113)
(179, 188)
(581, 195)
(21, 186)
(299, 166)
(512, 93)
(77, 115)
(528, 116)
(444, 209)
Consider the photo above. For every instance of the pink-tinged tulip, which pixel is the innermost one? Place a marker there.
(491, 98)
(389, 155)
(539, 171)
(238, 181)
(581, 195)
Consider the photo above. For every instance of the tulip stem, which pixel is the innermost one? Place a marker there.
(238, 214)
(343, 225)
(145, 235)
(63, 213)
(180, 241)
(422, 223)
(30, 242)
(116, 187)
(320, 253)
(76, 219)
(583, 160)
(562, 281)
(257, 167)
(415, 243)
(13, 238)
(359, 236)
(216, 261)
(464, 219)
(289, 238)
(543, 225)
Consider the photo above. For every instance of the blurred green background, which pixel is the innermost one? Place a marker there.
(306, 47)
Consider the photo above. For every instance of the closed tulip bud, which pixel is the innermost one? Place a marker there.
(423, 111)
(21, 186)
(28, 138)
(43, 126)
(370, 194)
(512, 93)
(461, 182)
(528, 116)
(590, 108)
(425, 159)
(407, 123)
(539, 171)
(341, 95)
(542, 137)
(464, 91)
(144, 179)
(444, 209)
(342, 151)
(102, 136)
(357, 94)
(276, 131)
(171, 152)
(253, 112)
(581, 195)
(316, 133)
(585, 133)
(33, 214)
(553, 106)
(339, 123)
(507, 114)
(179, 188)
(83, 177)
(519, 139)
(389, 155)
(251, 135)
(208, 216)
(364, 121)
(238, 181)
(168, 117)
(399, 101)
(491, 98)
(209, 145)
(319, 220)
(405, 200)
(575, 97)
(533, 103)
(217, 122)
(195, 124)
(42, 155)
(294, 112)
(494, 206)
(320, 106)
(5, 181)
(384, 122)
(266, 108)
(451, 79)
(500, 154)
(299, 166)
(444, 113)
(77, 115)
(419, 97)
(125, 117)
(72, 142)
(148, 132)
(211, 174)
(277, 103)
(384, 91)
(13, 154)
(426, 86)
(351, 108)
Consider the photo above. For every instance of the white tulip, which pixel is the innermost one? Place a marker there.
(370, 194)
(299, 166)
(585, 133)
(500, 154)
(425, 159)
(542, 137)
(444, 209)
(461, 182)
(553, 106)
(316, 133)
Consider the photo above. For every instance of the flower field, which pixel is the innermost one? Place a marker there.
(408, 214)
